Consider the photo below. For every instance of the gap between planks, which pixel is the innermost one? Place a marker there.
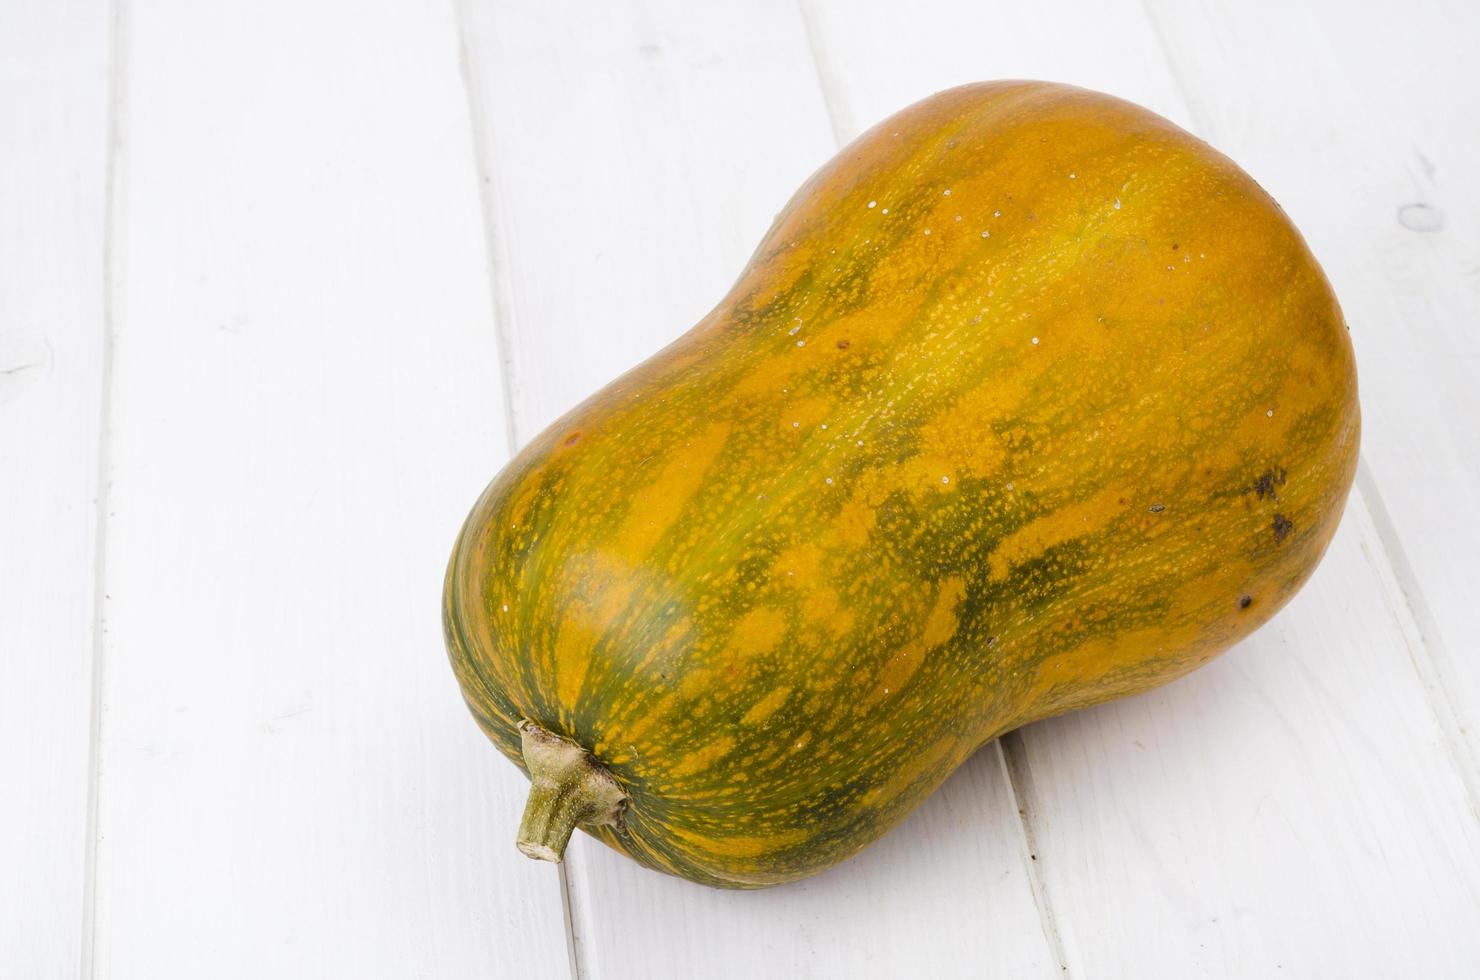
(826, 78)
(482, 168)
(1408, 607)
(503, 343)
(113, 280)
(1162, 46)
(1012, 761)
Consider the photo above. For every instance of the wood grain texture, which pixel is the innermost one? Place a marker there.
(657, 226)
(289, 785)
(53, 150)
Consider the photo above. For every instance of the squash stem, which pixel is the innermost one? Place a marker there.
(566, 787)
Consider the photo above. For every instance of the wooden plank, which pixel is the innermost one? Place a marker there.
(876, 57)
(306, 399)
(1356, 125)
(627, 187)
(625, 192)
(53, 150)
(1296, 805)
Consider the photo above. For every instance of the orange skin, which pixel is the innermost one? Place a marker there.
(1028, 400)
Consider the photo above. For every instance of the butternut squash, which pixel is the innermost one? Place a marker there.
(1028, 400)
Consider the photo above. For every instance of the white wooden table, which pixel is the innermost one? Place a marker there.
(283, 283)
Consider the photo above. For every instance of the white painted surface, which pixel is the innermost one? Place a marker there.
(355, 251)
(53, 137)
(290, 785)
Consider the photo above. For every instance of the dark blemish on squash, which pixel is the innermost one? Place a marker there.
(842, 345)
(1157, 508)
(991, 641)
(573, 438)
(1282, 527)
(1245, 601)
(1174, 246)
(1268, 484)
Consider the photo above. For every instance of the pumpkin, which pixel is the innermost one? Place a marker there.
(1028, 400)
